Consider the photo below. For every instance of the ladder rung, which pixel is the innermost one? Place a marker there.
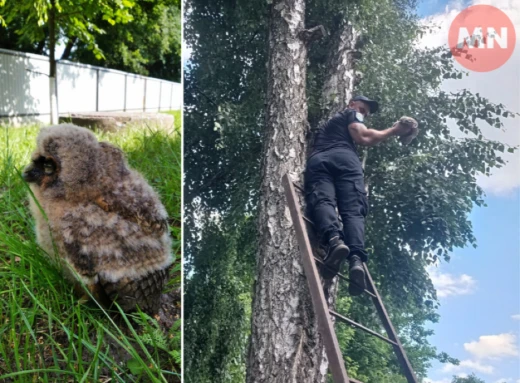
(308, 220)
(361, 327)
(297, 186)
(341, 276)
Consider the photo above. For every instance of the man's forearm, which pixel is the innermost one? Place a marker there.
(371, 137)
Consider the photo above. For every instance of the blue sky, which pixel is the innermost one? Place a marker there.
(491, 301)
(480, 288)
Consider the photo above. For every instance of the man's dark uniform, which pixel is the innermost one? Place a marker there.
(334, 178)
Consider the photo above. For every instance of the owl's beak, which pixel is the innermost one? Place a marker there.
(32, 174)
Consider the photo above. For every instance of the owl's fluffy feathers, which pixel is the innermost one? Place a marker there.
(107, 223)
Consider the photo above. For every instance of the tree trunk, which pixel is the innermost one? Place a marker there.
(285, 346)
(336, 93)
(68, 48)
(339, 84)
(41, 46)
(52, 63)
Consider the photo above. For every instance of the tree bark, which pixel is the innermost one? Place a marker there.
(339, 84)
(41, 46)
(68, 48)
(336, 92)
(52, 63)
(285, 346)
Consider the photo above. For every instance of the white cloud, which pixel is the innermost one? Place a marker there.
(515, 317)
(469, 366)
(493, 346)
(504, 380)
(451, 285)
(445, 380)
(498, 86)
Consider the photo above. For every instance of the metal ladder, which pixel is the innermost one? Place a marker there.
(326, 327)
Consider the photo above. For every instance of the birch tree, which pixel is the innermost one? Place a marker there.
(283, 323)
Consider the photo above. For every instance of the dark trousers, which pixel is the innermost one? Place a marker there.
(334, 179)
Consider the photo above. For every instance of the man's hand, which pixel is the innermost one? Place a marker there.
(401, 129)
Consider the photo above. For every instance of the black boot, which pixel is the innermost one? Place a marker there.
(337, 253)
(356, 275)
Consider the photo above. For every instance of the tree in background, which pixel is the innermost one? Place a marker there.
(468, 379)
(149, 45)
(139, 36)
(420, 195)
(42, 23)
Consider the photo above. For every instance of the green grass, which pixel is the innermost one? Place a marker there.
(46, 334)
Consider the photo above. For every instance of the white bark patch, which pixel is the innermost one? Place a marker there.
(324, 365)
(277, 153)
(294, 46)
(297, 74)
(298, 267)
(288, 218)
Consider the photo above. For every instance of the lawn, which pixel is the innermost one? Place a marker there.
(46, 334)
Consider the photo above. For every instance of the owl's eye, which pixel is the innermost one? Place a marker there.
(48, 167)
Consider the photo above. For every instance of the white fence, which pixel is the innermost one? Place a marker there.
(24, 89)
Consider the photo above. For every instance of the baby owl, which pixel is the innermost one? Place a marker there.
(104, 220)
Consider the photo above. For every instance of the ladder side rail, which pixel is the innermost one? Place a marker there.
(334, 355)
(390, 331)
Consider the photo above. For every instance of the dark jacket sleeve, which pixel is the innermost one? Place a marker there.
(346, 117)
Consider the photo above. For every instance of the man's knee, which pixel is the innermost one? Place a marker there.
(321, 197)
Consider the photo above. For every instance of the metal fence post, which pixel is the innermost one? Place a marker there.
(124, 105)
(160, 94)
(97, 90)
(144, 97)
(171, 95)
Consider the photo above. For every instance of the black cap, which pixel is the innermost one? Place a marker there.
(373, 105)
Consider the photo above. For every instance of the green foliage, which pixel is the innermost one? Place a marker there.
(46, 334)
(149, 45)
(219, 300)
(420, 195)
(73, 18)
(139, 36)
(223, 125)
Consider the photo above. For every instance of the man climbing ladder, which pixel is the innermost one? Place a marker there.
(334, 178)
